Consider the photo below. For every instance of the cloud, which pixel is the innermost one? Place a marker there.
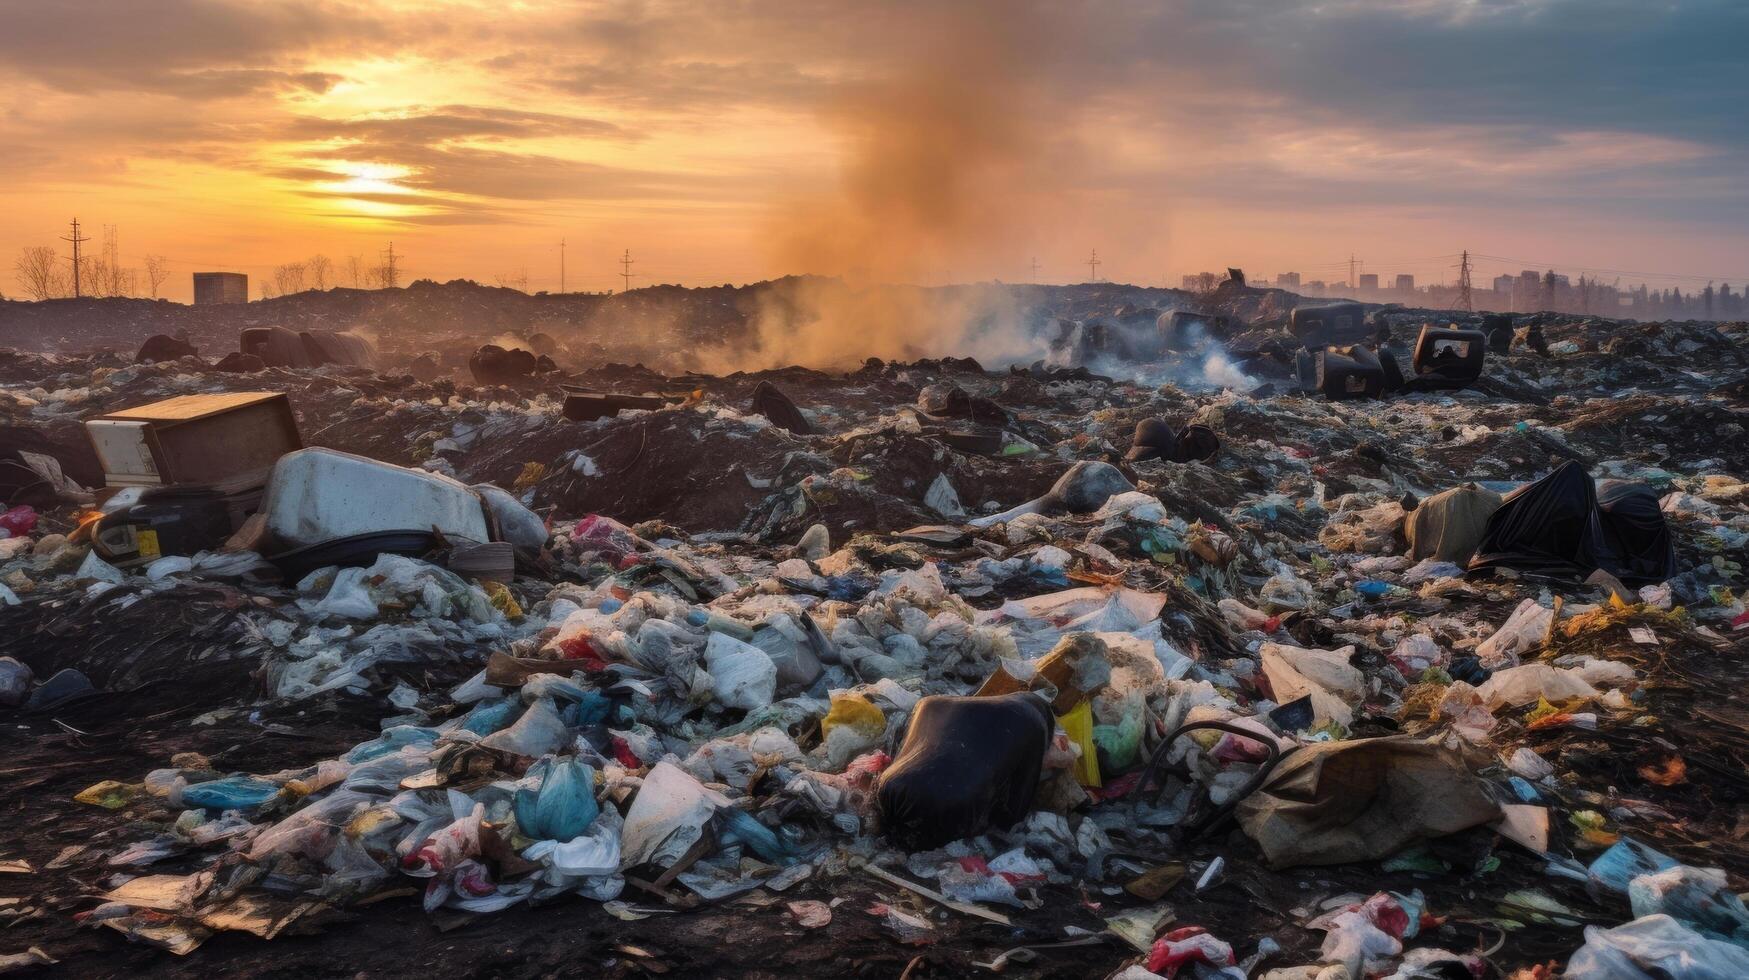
(414, 125)
(190, 48)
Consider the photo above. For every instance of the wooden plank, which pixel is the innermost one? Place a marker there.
(977, 911)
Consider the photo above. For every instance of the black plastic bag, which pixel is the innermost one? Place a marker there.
(772, 403)
(1550, 527)
(968, 765)
(1636, 542)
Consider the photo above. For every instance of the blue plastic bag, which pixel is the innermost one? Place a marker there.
(229, 793)
(390, 740)
(564, 806)
(739, 827)
(492, 716)
(1626, 860)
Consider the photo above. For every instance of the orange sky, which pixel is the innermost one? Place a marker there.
(730, 141)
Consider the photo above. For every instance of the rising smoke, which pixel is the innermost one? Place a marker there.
(952, 161)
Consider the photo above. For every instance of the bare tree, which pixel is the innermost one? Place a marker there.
(319, 267)
(289, 278)
(356, 271)
(38, 270)
(514, 280)
(267, 290)
(157, 270)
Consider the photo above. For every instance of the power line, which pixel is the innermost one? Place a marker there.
(561, 265)
(77, 240)
(1464, 282)
(391, 273)
(1034, 269)
(625, 270)
(1093, 265)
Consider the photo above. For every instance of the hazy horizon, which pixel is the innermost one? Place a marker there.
(910, 141)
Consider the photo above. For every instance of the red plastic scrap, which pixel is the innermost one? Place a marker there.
(19, 520)
(1191, 944)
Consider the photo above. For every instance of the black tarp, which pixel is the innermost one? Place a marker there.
(1564, 526)
(1637, 545)
(968, 765)
(1550, 527)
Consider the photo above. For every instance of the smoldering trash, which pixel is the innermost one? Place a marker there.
(1194, 641)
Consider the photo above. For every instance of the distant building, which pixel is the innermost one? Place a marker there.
(1287, 280)
(1405, 284)
(1369, 281)
(213, 288)
(1503, 284)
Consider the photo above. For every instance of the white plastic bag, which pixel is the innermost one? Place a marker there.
(1515, 686)
(742, 675)
(1523, 630)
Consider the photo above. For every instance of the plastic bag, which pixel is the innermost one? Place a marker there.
(967, 764)
(1324, 675)
(1523, 630)
(1656, 947)
(1517, 686)
(667, 817)
(1699, 898)
(852, 726)
(540, 731)
(742, 675)
(1120, 745)
(563, 807)
(230, 793)
(1078, 725)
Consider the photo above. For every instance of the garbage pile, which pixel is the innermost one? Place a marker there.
(1014, 669)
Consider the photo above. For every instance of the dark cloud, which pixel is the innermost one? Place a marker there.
(191, 48)
(418, 125)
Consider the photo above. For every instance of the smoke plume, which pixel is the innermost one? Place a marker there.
(952, 164)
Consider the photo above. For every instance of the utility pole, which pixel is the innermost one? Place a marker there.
(1034, 269)
(561, 266)
(625, 270)
(1464, 282)
(1093, 265)
(77, 240)
(391, 276)
(1352, 262)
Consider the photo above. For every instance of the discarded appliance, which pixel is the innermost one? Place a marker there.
(164, 521)
(1447, 358)
(1342, 373)
(279, 347)
(946, 400)
(225, 441)
(319, 496)
(1338, 323)
(1183, 330)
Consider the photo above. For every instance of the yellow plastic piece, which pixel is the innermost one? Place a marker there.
(502, 599)
(109, 794)
(855, 712)
(1078, 725)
